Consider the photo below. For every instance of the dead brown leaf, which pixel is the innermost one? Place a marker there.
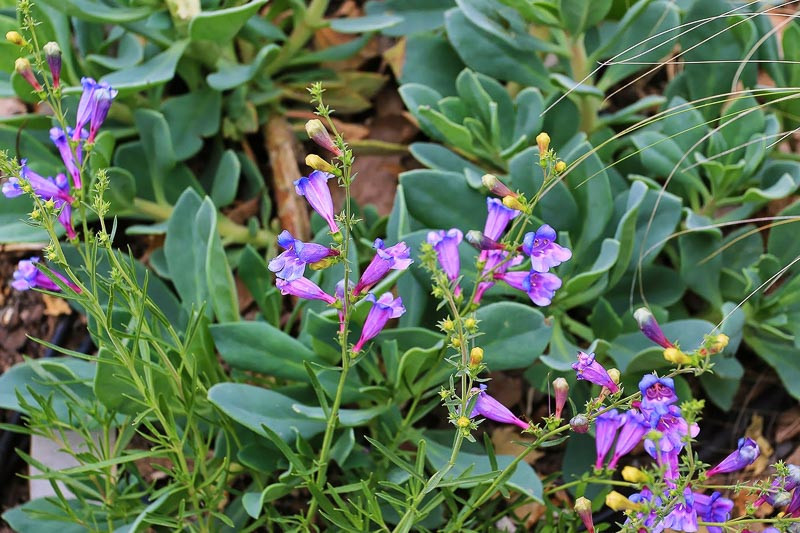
(508, 441)
(755, 432)
(54, 306)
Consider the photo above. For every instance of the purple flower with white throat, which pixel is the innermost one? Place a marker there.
(445, 243)
(304, 288)
(315, 189)
(746, 453)
(494, 263)
(650, 328)
(539, 286)
(634, 428)
(71, 160)
(488, 407)
(28, 276)
(397, 257)
(586, 368)
(543, 250)
(383, 309)
(497, 219)
(606, 426)
(712, 508)
(291, 263)
(683, 516)
(657, 393)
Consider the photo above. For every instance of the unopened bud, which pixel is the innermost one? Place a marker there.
(632, 474)
(649, 326)
(455, 342)
(618, 502)
(462, 422)
(14, 37)
(482, 242)
(322, 264)
(543, 142)
(613, 373)
(579, 424)
(674, 355)
(23, 68)
(720, 343)
(52, 53)
(448, 325)
(470, 324)
(317, 163)
(511, 202)
(560, 167)
(475, 357)
(495, 186)
(337, 237)
(584, 509)
(561, 388)
(319, 134)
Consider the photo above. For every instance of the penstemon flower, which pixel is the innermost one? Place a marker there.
(315, 189)
(648, 325)
(586, 368)
(683, 516)
(497, 218)
(543, 250)
(291, 263)
(397, 257)
(634, 428)
(540, 287)
(488, 407)
(712, 508)
(71, 160)
(606, 426)
(28, 276)
(746, 452)
(304, 288)
(92, 107)
(52, 52)
(56, 190)
(445, 243)
(383, 309)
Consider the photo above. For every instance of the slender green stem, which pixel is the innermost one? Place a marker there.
(312, 20)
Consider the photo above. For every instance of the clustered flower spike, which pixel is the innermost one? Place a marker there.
(488, 407)
(28, 276)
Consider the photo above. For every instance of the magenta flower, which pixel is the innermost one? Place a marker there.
(541, 246)
(683, 516)
(793, 509)
(586, 368)
(634, 428)
(383, 309)
(56, 190)
(60, 139)
(28, 276)
(488, 407)
(102, 97)
(540, 287)
(674, 432)
(291, 263)
(606, 426)
(745, 454)
(446, 245)
(650, 328)
(397, 257)
(304, 288)
(315, 188)
(52, 52)
(483, 243)
(497, 219)
(712, 508)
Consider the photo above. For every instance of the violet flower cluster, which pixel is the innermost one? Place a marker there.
(290, 266)
(93, 108)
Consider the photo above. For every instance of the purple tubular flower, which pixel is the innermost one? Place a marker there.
(498, 218)
(304, 288)
(674, 430)
(545, 253)
(650, 328)
(101, 103)
(488, 407)
(397, 257)
(712, 508)
(493, 262)
(446, 245)
(483, 243)
(383, 308)
(315, 188)
(539, 286)
(291, 264)
(56, 190)
(657, 393)
(633, 429)
(683, 516)
(85, 106)
(28, 276)
(59, 138)
(781, 484)
(52, 52)
(588, 369)
(793, 509)
(646, 496)
(745, 454)
(606, 426)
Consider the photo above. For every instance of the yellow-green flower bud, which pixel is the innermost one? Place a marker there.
(633, 475)
(618, 502)
(674, 355)
(475, 357)
(543, 142)
(317, 163)
(14, 37)
(560, 167)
